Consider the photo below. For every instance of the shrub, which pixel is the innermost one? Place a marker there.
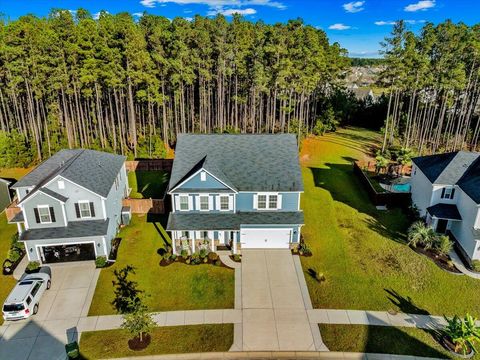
(443, 245)
(476, 265)
(184, 253)
(303, 249)
(217, 262)
(212, 256)
(419, 233)
(237, 257)
(14, 254)
(195, 259)
(203, 253)
(101, 261)
(33, 265)
(464, 333)
(173, 257)
(205, 260)
(166, 256)
(188, 260)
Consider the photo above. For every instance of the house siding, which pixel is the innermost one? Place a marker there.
(42, 199)
(462, 230)
(289, 201)
(196, 183)
(421, 190)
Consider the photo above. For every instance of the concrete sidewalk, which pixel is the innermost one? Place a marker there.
(379, 318)
(459, 265)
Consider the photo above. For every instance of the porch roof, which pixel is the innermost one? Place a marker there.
(18, 218)
(445, 211)
(74, 229)
(231, 221)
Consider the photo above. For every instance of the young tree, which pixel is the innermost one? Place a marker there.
(127, 295)
(138, 322)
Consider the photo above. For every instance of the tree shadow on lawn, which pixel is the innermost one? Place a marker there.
(152, 184)
(159, 221)
(345, 187)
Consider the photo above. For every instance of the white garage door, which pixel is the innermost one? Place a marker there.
(265, 238)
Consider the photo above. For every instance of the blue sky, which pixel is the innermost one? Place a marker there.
(357, 25)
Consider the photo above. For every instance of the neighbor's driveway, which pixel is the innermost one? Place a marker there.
(274, 314)
(44, 335)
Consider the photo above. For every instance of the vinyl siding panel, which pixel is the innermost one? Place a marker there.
(196, 183)
(42, 199)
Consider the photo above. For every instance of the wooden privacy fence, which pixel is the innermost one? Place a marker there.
(391, 199)
(144, 206)
(149, 165)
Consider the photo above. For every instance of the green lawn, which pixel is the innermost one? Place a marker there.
(381, 339)
(175, 287)
(6, 282)
(165, 340)
(148, 184)
(362, 251)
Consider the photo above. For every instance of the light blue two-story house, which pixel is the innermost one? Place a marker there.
(69, 207)
(235, 192)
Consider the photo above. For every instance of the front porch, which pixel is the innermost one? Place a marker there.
(193, 241)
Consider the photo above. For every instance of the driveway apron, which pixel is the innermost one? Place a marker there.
(274, 314)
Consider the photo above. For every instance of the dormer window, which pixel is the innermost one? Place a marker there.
(61, 184)
(203, 176)
(44, 214)
(85, 209)
(267, 201)
(448, 193)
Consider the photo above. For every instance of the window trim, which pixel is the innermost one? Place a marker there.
(80, 209)
(180, 202)
(267, 201)
(220, 202)
(40, 215)
(200, 202)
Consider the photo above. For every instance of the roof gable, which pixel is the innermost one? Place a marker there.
(433, 165)
(242, 162)
(470, 181)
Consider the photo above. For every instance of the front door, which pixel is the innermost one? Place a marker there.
(442, 226)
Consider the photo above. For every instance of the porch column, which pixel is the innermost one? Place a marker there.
(19, 228)
(213, 243)
(234, 245)
(174, 237)
(193, 241)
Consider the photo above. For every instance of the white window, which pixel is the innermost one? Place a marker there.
(267, 201)
(44, 214)
(262, 201)
(61, 184)
(272, 201)
(203, 176)
(183, 202)
(448, 193)
(84, 207)
(204, 203)
(224, 202)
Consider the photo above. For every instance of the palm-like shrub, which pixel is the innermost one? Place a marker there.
(443, 244)
(464, 333)
(420, 234)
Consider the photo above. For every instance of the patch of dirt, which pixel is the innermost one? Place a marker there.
(443, 261)
(136, 345)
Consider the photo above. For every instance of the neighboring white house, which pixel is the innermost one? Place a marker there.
(446, 190)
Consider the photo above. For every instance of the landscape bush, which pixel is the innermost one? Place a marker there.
(101, 261)
(33, 265)
(476, 265)
(443, 245)
(184, 253)
(212, 256)
(203, 253)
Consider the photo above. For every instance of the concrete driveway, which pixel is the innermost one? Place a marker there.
(44, 335)
(274, 314)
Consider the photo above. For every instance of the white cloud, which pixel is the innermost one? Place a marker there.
(217, 4)
(422, 5)
(96, 16)
(230, 12)
(189, 19)
(339, 27)
(411, 22)
(137, 14)
(354, 6)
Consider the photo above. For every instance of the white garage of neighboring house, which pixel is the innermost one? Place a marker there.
(266, 238)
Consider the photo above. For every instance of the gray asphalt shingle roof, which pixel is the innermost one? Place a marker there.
(74, 229)
(231, 221)
(460, 168)
(444, 211)
(94, 170)
(243, 162)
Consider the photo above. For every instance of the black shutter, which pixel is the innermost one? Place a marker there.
(77, 210)
(37, 216)
(92, 210)
(452, 193)
(52, 214)
(443, 193)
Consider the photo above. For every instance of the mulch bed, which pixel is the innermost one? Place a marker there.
(181, 260)
(305, 255)
(136, 345)
(443, 261)
(8, 270)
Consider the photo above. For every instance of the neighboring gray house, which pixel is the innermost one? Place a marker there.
(5, 199)
(446, 190)
(71, 205)
(235, 191)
